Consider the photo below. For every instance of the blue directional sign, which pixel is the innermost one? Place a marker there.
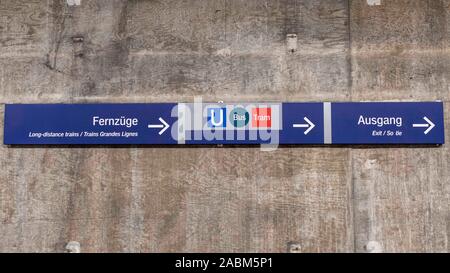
(389, 122)
(88, 123)
(219, 123)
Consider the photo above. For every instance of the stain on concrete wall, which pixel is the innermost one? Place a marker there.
(301, 199)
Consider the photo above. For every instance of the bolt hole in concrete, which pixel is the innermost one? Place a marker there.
(73, 247)
(294, 247)
(374, 247)
(77, 39)
(373, 2)
(291, 42)
(73, 2)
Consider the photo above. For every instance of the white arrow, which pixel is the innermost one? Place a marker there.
(164, 126)
(310, 125)
(429, 125)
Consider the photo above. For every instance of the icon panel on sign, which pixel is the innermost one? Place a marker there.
(217, 117)
(262, 117)
(239, 117)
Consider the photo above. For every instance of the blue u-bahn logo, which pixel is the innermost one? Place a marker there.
(217, 117)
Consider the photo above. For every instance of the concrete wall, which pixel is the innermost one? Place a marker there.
(304, 199)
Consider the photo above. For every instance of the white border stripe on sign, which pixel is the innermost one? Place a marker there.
(327, 136)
